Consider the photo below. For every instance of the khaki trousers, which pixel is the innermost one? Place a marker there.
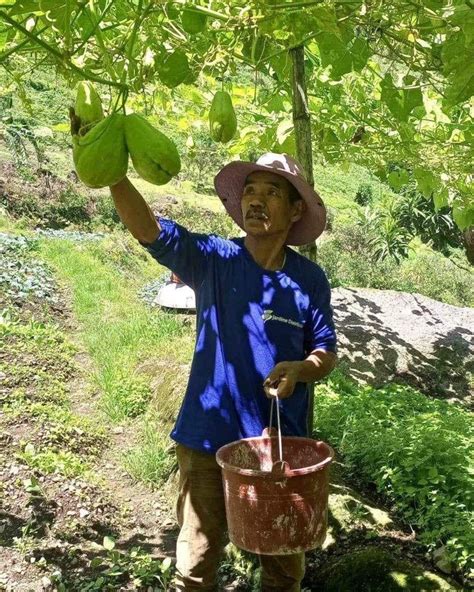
(202, 538)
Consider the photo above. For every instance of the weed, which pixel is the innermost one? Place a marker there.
(118, 567)
(49, 461)
(151, 461)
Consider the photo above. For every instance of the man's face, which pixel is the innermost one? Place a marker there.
(266, 206)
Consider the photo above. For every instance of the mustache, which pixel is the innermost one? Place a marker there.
(258, 214)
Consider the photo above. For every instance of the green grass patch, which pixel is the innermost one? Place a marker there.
(36, 401)
(417, 451)
(118, 330)
(43, 340)
(377, 570)
(152, 460)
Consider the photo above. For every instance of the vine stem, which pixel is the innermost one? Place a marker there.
(16, 48)
(305, 4)
(207, 12)
(59, 56)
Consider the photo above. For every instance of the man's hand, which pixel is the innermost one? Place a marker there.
(74, 121)
(285, 375)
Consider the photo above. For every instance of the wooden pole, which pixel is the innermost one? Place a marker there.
(302, 125)
(301, 117)
(304, 154)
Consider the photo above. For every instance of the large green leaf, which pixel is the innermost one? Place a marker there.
(460, 84)
(463, 212)
(397, 179)
(281, 64)
(323, 18)
(400, 101)
(360, 51)
(458, 65)
(255, 47)
(452, 53)
(426, 181)
(441, 198)
(59, 12)
(334, 53)
(174, 69)
(344, 52)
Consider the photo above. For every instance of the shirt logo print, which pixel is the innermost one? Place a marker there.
(269, 316)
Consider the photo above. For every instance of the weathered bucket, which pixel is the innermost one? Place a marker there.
(274, 507)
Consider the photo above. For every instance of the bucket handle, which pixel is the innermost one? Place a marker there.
(279, 466)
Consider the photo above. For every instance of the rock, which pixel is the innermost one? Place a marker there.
(385, 335)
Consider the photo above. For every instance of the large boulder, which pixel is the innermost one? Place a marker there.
(386, 335)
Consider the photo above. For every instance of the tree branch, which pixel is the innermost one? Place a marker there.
(59, 56)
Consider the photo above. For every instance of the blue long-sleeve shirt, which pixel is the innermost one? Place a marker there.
(248, 319)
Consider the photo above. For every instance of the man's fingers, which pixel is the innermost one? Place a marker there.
(275, 375)
(280, 382)
(75, 122)
(284, 389)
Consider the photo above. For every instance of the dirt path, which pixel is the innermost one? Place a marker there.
(51, 524)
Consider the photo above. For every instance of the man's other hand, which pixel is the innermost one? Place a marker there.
(283, 377)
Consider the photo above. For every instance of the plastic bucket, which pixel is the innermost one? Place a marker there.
(274, 508)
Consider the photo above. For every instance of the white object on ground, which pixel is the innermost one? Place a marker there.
(173, 295)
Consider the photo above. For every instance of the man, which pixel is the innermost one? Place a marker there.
(263, 320)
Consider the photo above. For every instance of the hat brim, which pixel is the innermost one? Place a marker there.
(229, 184)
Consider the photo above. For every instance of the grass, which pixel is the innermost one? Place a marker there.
(151, 461)
(377, 570)
(117, 329)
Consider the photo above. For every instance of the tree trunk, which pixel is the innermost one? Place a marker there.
(302, 125)
(468, 236)
(304, 154)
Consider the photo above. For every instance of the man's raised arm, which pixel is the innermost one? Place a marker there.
(134, 211)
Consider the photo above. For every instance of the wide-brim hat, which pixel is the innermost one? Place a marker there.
(230, 181)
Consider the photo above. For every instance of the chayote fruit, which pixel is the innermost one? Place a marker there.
(101, 156)
(88, 106)
(222, 119)
(154, 156)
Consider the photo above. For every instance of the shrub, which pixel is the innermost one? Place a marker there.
(348, 256)
(451, 284)
(415, 450)
(364, 194)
